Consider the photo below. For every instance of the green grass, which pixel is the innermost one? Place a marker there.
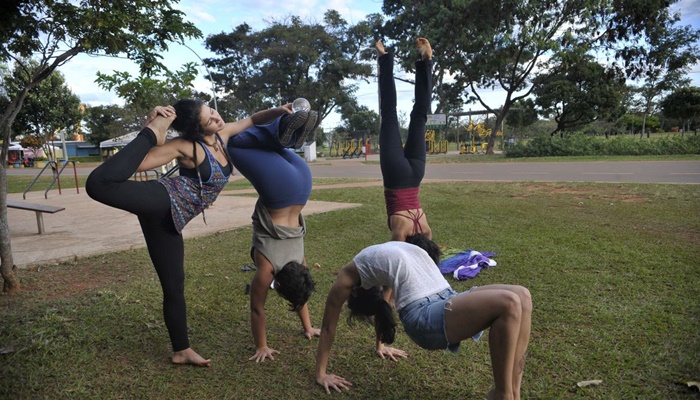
(19, 183)
(613, 269)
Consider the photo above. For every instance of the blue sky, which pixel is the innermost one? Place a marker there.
(215, 16)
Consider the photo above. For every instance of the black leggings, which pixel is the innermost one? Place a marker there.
(149, 200)
(403, 167)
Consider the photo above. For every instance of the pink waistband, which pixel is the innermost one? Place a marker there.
(401, 199)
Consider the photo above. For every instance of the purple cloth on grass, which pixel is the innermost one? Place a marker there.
(467, 264)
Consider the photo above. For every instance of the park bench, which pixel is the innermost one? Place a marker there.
(39, 209)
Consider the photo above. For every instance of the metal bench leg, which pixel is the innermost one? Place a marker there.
(40, 221)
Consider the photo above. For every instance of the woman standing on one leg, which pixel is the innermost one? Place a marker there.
(165, 206)
(283, 182)
(403, 167)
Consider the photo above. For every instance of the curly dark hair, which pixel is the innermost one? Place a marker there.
(426, 244)
(367, 303)
(294, 283)
(187, 121)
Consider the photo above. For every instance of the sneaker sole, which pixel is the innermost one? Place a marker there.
(295, 122)
(310, 126)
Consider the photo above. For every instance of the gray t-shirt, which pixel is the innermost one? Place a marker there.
(279, 244)
(404, 267)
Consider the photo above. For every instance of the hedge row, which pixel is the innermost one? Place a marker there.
(584, 145)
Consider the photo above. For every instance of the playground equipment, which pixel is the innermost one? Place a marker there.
(352, 147)
(433, 146)
(471, 147)
(56, 177)
(477, 138)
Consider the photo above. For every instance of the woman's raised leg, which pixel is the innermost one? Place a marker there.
(395, 168)
(415, 141)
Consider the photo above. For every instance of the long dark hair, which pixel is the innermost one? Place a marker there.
(426, 244)
(187, 121)
(368, 303)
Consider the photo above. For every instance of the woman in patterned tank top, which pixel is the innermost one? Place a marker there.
(166, 205)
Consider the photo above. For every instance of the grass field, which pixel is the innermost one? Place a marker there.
(613, 270)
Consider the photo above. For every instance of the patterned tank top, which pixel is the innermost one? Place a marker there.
(186, 199)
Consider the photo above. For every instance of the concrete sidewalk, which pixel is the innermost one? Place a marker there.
(87, 227)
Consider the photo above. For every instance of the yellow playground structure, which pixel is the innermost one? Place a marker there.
(349, 148)
(477, 138)
(433, 146)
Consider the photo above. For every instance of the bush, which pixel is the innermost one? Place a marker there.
(619, 145)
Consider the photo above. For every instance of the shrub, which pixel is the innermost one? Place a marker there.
(618, 145)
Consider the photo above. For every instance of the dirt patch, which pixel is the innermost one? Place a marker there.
(46, 283)
(609, 193)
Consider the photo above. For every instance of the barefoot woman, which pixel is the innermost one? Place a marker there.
(403, 167)
(166, 205)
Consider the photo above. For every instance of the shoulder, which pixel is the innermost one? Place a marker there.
(349, 275)
(184, 146)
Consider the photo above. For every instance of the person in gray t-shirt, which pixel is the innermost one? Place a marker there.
(433, 315)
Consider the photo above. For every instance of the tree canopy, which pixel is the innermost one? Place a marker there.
(142, 93)
(482, 45)
(50, 106)
(290, 59)
(107, 122)
(578, 90)
(52, 32)
(683, 104)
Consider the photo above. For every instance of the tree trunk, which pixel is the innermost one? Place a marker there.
(644, 125)
(494, 132)
(7, 267)
(7, 263)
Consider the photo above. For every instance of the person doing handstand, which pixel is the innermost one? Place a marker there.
(403, 167)
(283, 182)
(433, 315)
(166, 205)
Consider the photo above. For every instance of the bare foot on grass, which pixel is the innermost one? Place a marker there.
(423, 46)
(189, 357)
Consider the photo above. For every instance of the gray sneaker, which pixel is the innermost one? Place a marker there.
(289, 124)
(309, 132)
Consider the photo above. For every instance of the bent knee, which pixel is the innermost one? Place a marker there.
(92, 186)
(525, 298)
(512, 303)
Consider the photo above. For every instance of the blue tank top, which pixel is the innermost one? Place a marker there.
(186, 198)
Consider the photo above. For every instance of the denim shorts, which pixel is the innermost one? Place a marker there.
(424, 321)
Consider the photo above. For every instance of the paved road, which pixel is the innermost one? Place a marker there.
(687, 172)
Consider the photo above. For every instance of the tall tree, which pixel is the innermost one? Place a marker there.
(49, 107)
(522, 115)
(55, 31)
(684, 105)
(672, 52)
(290, 59)
(107, 122)
(357, 117)
(146, 91)
(486, 45)
(578, 91)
